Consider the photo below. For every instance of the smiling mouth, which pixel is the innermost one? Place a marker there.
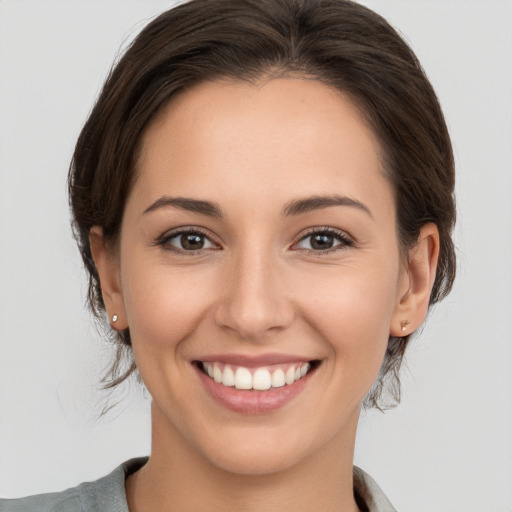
(259, 379)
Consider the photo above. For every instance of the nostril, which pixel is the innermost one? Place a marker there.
(253, 320)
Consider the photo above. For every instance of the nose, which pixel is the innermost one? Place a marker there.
(254, 303)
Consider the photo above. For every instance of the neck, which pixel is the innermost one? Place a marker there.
(177, 477)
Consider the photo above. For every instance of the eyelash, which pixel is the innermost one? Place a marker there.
(164, 241)
(343, 239)
(339, 236)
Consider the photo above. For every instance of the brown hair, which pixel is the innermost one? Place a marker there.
(340, 43)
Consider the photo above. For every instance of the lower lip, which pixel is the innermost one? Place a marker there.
(252, 401)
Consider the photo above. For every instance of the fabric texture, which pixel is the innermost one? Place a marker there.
(108, 494)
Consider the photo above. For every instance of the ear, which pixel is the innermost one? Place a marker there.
(417, 282)
(107, 264)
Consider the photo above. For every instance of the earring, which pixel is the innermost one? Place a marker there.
(114, 319)
(404, 324)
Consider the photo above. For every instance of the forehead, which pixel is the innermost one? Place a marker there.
(282, 137)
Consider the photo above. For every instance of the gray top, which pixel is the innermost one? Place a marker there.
(108, 495)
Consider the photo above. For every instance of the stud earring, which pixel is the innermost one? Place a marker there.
(114, 319)
(404, 324)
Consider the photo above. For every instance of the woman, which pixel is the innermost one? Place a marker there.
(263, 199)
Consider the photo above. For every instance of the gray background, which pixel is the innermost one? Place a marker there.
(448, 447)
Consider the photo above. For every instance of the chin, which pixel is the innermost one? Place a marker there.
(251, 460)
(261, 449)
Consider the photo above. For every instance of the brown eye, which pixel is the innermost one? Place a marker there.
(188, 241)
(324, 241)
(192, 242)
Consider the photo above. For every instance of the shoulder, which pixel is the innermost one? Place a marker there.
(107, 493)
(68, 500)
(369, 495)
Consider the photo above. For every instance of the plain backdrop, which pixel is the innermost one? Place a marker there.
(448, 447)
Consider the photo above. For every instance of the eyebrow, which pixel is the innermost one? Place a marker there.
(317, 202)
(184, 203)
(296, 207)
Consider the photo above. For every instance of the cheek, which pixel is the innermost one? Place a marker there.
(164, 305)
(360, 296)
(351, 308)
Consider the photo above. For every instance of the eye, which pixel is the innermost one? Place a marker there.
(190, 240)
(324, 240)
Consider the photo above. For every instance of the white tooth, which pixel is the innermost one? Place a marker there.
(217, 373)
(243, 378)
(261, 380)
(278, 379)
(297, 373)
(304, 369)
(228, 377)
(209, 369)
(290, 375)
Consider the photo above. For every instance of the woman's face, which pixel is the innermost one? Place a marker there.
(259, 242)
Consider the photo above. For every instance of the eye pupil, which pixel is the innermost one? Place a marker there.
(322, 241)
(191, 241)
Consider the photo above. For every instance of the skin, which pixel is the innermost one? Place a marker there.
(258, 287)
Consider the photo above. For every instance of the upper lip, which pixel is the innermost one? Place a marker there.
(254, 361)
